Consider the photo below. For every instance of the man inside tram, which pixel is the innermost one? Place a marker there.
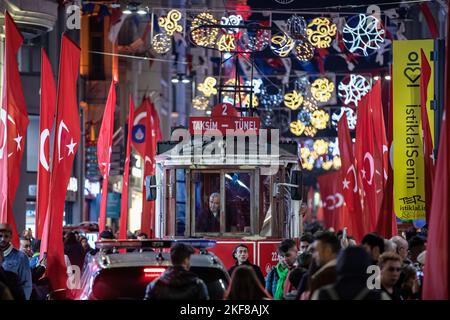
(209, 218)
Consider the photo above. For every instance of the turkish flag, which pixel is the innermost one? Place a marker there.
(426, 133)
(126, 171)
(67, 138)
(148, 212)
(351, 181)
(310, 203)
(13, 126)
(365, 160)
(47, 115)
(104, 149)
(332, 200)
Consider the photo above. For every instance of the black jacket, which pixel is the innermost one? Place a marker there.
(75, 253)
(257, 270)
(11, 280)
(177, 284)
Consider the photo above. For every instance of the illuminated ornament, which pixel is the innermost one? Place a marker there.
(256, 84)
(304, 51)
(308, 165)
(161, 43)
(310, 131)
(321, 147)
(309, 104)
(337, 162)
(207, 87)
(319, 119)
(363, 34)
(351, 117)
(322, 89)
(320, 32)
(233, 20)
(297, 127)
(201, 34)
(170, 22)
(282, 45)
(200, 103)
(226, 43)
(304, 153)
(334, 147)
(302, 85)
(255, 39)
(229, 96)
(326, 165)
(246, 102)
(293, 100)
(296, 26)
(353, 89)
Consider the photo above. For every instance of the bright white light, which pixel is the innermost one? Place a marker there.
(141, 12)
(185, 80)
(208, 112)
(126, 11)
(227, 55)
(135, 172)
(376, 78)
(175, 80)
(387, 78)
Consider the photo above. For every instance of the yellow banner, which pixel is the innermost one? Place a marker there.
(409, 179)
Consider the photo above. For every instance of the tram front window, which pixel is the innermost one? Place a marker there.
(237, 202)
(207, 202)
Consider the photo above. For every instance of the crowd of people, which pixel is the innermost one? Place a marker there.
(326, 265)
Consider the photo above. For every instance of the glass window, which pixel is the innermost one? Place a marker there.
(180, 208)
(237, 202)
(207, 201)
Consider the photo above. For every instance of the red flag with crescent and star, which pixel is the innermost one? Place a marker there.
(335, 212)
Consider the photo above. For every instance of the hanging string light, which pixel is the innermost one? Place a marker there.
(297, 127)
(321, 89)
(319, 119)
(321, 147)
(320, 32)
(304, 51)
(161, 43)
(232, 20)
(207, 86)
(293, 100)
(170, 22)
(200, 103)
(296, 26)
(201, 34)
(281, 45)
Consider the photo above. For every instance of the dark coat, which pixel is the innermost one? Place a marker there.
(350, 288)
(177, 284)
(76, 253)
(257, 270)
(11, 281)
(324, 276)
(206, 222)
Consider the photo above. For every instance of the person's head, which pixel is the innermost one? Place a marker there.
(77, 235)
(325, 248)
(84, 242)
(305, 241)
(180, 255)
(70, 238)
(240, 253)
(401, 246)
(391, 266)
(5, 235)
(390, 246)
(416, 247)
(244, 285)
(27, 233)
(142, 236)
(214, 202)
(106, 235)
(409, 283)
(374, 245)
(287, 252)
(353, 262)
(25, 246)
(304, 260)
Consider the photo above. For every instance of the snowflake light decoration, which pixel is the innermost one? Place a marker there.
(200, 103)
(161, 43)
(320, 146)
(320, 32)
(281, 45)
(351, 117)
(321, 89)
(363, 34)
(170, 22)
(352, 89)
(204, 36)
(296, 26)
(319, 119)
(304, 51)
(297, 127)
(256, 84)
(293, 100)
(232, 20)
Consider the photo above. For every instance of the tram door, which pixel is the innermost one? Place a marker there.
(223, 202)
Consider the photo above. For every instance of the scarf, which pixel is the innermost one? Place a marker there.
(6, 252)
(282, 274)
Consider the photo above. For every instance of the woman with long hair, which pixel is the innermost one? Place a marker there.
(245, 285)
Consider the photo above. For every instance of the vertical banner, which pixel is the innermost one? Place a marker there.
(409, 174)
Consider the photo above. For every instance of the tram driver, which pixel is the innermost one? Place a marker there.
(209, 218)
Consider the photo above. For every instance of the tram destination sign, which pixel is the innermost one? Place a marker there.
(224, 117)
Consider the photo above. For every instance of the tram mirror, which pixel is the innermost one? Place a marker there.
(150, 188)
(297, 180)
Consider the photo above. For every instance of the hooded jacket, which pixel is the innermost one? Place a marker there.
(176, 283)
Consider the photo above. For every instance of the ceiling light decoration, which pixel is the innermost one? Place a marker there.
(351, 117)
(302, 85)
(309, 104)
(170, 22)
(353, 88)
(310, 131)
(281, 45)
(296, 26)
(255, 39)
(255, 84)
(321, 89)
(161, 43)
(297, 127)
(200, 103)
(246, 102)
(326, 165)
(226, 43)
(337, 162)
(321, 147)
(207, 87)
(304, 51)
(363, 34)
(232, 20)
(293, 100)
(319, 119)
(270, 97)
(201, 34)
(320, 32)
